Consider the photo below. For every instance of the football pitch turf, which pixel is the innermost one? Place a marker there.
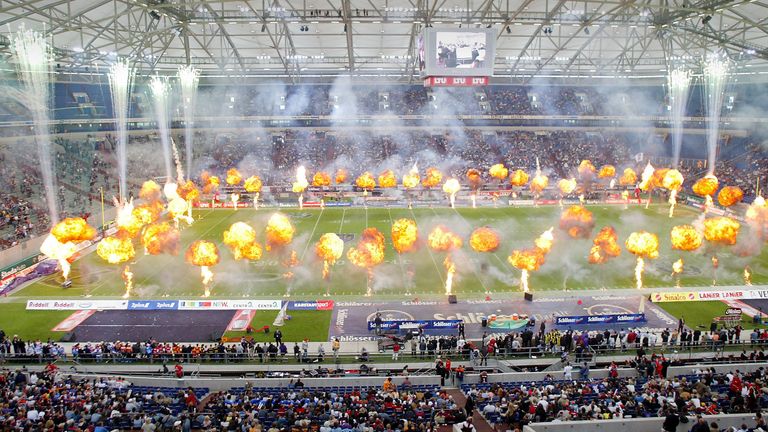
(566, 266)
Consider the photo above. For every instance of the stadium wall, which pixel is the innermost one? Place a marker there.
(724, 421)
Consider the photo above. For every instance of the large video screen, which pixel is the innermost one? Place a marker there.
(456, 52)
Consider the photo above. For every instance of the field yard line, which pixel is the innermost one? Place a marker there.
(399, 257)
(437, 267)
(466, 222)
(160, 268)
(343, 213)
(312, 234)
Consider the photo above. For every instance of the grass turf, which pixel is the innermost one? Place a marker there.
(303, 324)
(566, 266)
(30, 325)
(700, 314)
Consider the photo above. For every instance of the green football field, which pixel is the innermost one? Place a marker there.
(566, 265)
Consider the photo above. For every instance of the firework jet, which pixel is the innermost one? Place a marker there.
(474, 179)
(672, 181)
(203, 254)
(518, 178)
(321, 178)
(605, 246)
(432, 178)
(499, 172)
(368, 253)
(484, 239)
(721, 230)
(161, 238)
(300, 184)
(117, 250)
(715, 79)
(452, 187)
(644, 245)
(405, 233)
(678, 84)
(577, 221)
(341, 176)
(329, 248)
(628, 178)
(241, 240)
(729, 196)
(279, 231)
(529, 260)
(120, 83)
(188, 79)
(441, 239)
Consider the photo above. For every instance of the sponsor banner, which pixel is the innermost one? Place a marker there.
(716, 295)
(153, 304)
(230, 304)
(733, 311)
(311, 305)
(222, 204)
(424, 324)
(458, 81)
(21, 268)
(315, 204)
(521, 202)
(77, 304)
(600, 319)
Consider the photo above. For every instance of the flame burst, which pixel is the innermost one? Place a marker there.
(605, 246)
(366, 181)
(484, 239)
(730, 195)
(566, 186)
(721, 230)
(629, 177)
(127, 276)
(644, 245)
(188, 191)
(161, 238)
(404, 235)
(73, 230)
(341, 176)
(518, 178)
(539, 183)
(432, 178)
(474, 178)
(150, 191)
(452, 187)
(647, 178)
(685, 237)
(301, 182)
(60, 252)
(672, 181)
(148, 213)
(757, 216)
(528, 260)
(577, 221)
(677, 268)
(321, 178)
(368, 253)
(441, 239)
(115, 250)
(706, 186)
(412, 179)
(279, 231)
(241, 240)
(233, 177)
(747, 276)
(499, 172)
(210, 182)
(204, 254)
(253, 184)
(607, 171)
(128, 224)
(329, 248)
(387, 179)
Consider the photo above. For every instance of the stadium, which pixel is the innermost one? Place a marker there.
(390, 216)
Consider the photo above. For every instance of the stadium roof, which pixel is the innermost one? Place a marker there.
(307, 39)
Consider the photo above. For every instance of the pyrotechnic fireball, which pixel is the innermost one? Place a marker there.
(452, 187)
(115, 250)
(204, 254)
(279, 231)
(474, 178)
(341, 176)
(577, 221)
(329, 248)
(685, 237)
(442, 239)
(706, 186)
(368, 253)
(241, 240)
(301, 182)
(657, 179)
(253, 184)
(484, 239)
(321, 178)
(518, 178)
(729, 196)
(545, 240)
(644, 245)
(150, 191)
(161, 238)
(672, 181)
(757, 216)
(628, 178)
(128, 224)
(605, 246)
(148, 213)
(210, 182)
(60, 252)
(586, 169)
(73, 230)
(539, 183)
(404, 235)
(607, 171)
(432, 178)
(233, 177)
(647, 179)
(499, 172)
(387, 179)
(529, 260)
(566, 186)
(721, 230)
(412, 179)
(188, 191)
(366, 181)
